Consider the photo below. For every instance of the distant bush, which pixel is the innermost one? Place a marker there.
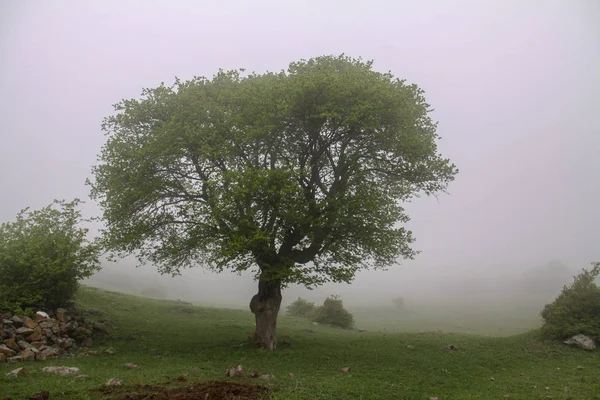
(576, 309)
(332, 312)
(301, 308)
(43, 255)
(398, 302)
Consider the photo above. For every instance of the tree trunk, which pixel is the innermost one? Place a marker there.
(265, 306)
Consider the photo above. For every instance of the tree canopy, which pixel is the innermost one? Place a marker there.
(298, 175)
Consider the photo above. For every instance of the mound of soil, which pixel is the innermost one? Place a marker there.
(215, 390)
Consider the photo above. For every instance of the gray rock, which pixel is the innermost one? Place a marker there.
(267, 377)
(581, 341)
(17, 372)
(114, 382)
(62, 370)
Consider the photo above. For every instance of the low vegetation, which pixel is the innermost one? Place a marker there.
(577, 309)
(43, 255)
(168, 340)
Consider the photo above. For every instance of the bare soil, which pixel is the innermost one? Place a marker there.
(213, 390)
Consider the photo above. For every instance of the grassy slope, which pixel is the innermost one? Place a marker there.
(167, 339)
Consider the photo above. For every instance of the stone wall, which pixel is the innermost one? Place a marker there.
(45, 335)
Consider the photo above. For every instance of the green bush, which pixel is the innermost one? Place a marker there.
(43, 255)
(332, 312)
(576, 309)
(301, 308)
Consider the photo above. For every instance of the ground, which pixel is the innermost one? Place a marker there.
(180, 346)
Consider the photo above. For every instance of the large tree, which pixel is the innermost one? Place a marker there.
(298, 176)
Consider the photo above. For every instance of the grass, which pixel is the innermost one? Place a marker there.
(168, 339)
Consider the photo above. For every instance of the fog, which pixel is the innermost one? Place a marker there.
(514, 86)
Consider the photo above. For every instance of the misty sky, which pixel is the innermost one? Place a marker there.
(514, 85)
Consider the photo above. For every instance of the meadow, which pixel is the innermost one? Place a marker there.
(186, 345)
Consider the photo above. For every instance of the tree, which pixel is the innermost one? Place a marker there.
(298, 176)
(577, 308)
(43, 255)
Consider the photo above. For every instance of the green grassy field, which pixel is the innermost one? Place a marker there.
(167, 339)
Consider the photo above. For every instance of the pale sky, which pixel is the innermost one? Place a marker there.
(514, 85)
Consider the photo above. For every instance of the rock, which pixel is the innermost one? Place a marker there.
(15, 359)
(17, 372)
(235, 371)
(109, 350)
(451, 347)
(50, 352)
(81, 377)
(2, 357)
(580, 367)
(36, 337)
(10, 342)
(291, 374)
(581, 341)
(7, 351)
(286, 340)
(23, 344)
(492, 379)
(267, 377)
(42, 314)
(130, 366)
(28, 355)
(113, 382)
(434, 398)
(29, 323)
(315, 323)
(40, 396)
(61, 315)
(8, 322)
(16, 321)
(254, 374)
(410, 346)
(25, 331)
(346, 369)
(61, 370)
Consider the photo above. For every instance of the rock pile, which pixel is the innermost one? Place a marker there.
(44, 336)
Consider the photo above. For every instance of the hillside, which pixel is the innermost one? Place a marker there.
(168, 339)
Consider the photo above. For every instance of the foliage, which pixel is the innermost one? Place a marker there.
(333, 313)
(576, 309)
(43, 255)
(301, 308)
(297, 175)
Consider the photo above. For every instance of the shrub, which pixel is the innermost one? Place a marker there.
(398, 302)
(43, 255)
(332, 312)
(301, 308)
(576, 309)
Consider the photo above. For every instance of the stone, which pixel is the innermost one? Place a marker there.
(29, 323)
(130, 366)
(24, 331)
(28, 355)
(61, 315)
(8, 322)
(50, 352)
(16, 321)
(2, 357)
(23, 344)
(451, 347)
(346, 369)
(7, 351)
(15, 359)
(235, 371)
(267, 377)
(109, 350)
(81, 377)
(581, 341)
(17, 372)
(45, 395)
(114, 382)
(41, 314)
(254, 374)
(62, 370)
(99, 326)
(10, 342)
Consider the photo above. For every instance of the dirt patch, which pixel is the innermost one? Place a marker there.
(216, 390)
